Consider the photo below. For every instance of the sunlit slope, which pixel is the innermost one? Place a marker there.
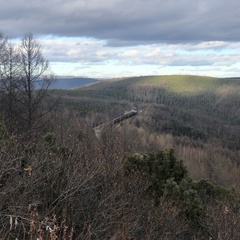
(215, 97)
(174, 83)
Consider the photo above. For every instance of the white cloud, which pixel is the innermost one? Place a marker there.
(92, 56)
(131, 37)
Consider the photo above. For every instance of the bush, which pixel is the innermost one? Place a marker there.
(168, 177)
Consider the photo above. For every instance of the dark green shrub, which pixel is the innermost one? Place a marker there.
(168, 177)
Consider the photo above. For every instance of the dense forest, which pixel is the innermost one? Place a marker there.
(196, 116)
(169, 172)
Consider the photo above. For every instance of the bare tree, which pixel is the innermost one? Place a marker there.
(24, 84)
(3, 43)
(35, 82)
(10, 85)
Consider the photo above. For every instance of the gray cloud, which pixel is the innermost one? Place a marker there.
(124, 22)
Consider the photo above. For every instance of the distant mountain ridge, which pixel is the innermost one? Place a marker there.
(71, 82)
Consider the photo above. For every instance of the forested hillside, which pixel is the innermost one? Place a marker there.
(198, 116)
(171, 171)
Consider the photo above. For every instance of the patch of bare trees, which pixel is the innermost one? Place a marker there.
(24, 84)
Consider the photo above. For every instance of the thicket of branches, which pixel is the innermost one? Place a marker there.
(24, 82)
(80, 188)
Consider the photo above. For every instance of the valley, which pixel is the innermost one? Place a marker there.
(197, 116)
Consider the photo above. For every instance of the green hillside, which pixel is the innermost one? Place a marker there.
(173, 83)
(215, 97)
(203, 109)
(198, 110)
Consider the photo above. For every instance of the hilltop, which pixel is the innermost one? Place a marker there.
(215, 97)
(173, 83)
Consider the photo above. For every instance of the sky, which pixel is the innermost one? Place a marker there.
(118, 38)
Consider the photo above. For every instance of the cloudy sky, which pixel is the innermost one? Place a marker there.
(113, 38)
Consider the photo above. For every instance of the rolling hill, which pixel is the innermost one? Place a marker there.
(198, 116)
(215, 97)
(181, 84)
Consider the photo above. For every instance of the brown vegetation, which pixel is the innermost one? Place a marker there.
(79, 189)
(58, 181)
